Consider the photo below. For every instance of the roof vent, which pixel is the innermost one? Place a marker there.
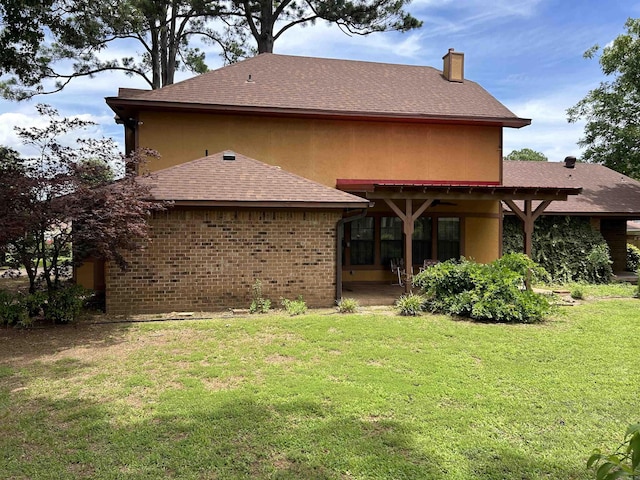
(570, 162)
(228, 155)
(453, 68)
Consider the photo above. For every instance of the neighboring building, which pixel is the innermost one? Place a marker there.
(609, 199)
(424, 146)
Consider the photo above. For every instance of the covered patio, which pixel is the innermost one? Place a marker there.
(408, 200)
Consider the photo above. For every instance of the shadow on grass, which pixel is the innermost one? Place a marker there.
(23, 346)
(234, 435)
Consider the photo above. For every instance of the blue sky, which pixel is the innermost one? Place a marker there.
(527, 53)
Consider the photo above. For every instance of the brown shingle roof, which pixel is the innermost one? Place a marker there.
(604, 191)
(326, 86)
(213, 180)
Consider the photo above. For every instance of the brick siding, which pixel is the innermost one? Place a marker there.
(207, 260)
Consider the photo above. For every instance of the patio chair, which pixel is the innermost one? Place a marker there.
(397, 267)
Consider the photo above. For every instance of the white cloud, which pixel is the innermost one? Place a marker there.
(9, 137)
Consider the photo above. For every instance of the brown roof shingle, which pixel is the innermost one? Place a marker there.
(212, 180)
(327, 86)
(604, 191)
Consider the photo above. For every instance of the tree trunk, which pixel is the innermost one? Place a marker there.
(267, 21)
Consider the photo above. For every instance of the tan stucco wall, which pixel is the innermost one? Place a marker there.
(482, 239)
(84, 275)
(324, 150)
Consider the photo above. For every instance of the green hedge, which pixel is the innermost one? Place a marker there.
(567, 247)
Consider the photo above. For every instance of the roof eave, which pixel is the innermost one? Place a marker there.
(266, 204)
(120, 105)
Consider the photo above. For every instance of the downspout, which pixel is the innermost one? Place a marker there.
(339, 239)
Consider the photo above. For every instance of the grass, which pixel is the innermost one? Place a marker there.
(595, 291)
(320, 396)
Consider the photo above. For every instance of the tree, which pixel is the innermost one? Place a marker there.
(267, 20)
(612, 110)
(59, 196)
(164, 30)
(527, 154)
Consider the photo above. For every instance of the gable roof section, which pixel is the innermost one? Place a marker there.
(270, 83)
(214, 181)
(604, 191)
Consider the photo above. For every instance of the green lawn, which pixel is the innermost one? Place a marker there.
(320, 396)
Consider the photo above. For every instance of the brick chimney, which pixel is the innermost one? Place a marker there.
(453, 69)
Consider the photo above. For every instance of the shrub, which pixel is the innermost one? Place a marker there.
(348, 305)
(19, 308)
(567, 247)
(294, 307)
(12, 310)
(577, 292)
(410, 304)
(633, 258)
(492, 292)
(599, 264)
(624, 463)
(65, 304)
(259, 304)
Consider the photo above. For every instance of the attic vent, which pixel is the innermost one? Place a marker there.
(570, 162)
(228, 156)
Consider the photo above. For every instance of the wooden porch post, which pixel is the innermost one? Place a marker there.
(408, 218)
(529, 216)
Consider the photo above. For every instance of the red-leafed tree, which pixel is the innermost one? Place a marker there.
(67, 193)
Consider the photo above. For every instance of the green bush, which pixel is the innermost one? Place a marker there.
(259, 304)
(624, 463)
(577, 292)
(567, 247)
(348, 305)
(492, 292)
(633, 258)
(12, 309)
(410, 304)
(19, 308)
(294, 307)
(65, 304)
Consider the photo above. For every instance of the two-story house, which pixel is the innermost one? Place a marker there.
(332, 170)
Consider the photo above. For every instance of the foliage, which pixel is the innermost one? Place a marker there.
(65, 304)
(17, 308)
(527, 154)
(294, 307)
(63, 194)
(410, 304)
(259, 304)
(624, 463)
(567, 247)
(611, 110)
(633, 258)
(599, 264)
(577, 292)
(492, 292)
(164, 32)
(12, 310)
(348, 305)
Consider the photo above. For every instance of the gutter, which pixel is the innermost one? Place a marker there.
(339, 240)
